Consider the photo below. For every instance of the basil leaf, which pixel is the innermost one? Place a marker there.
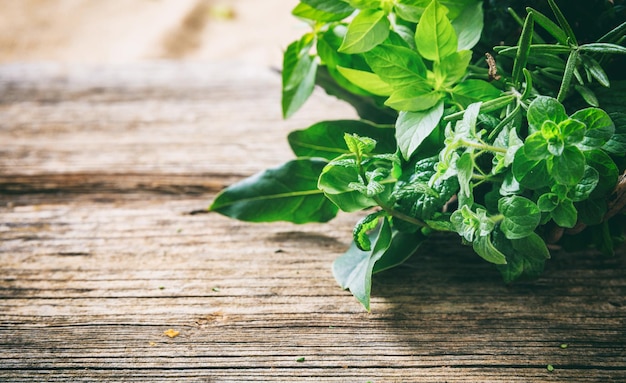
(325, 139)
(396, 65)
(330, 6)
(368, 81)
(285, 193)
(369, 28)
(353, 270)
(299, 69)
(411, 99)
(471, 91)
(306, 11)
(469, 25)
(435, 37)
(413, 127)
(451, 69)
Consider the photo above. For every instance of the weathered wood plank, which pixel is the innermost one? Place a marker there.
(103, 251)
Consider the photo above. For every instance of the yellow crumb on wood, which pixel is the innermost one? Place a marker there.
(171, 333)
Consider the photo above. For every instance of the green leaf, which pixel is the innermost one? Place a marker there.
(560, 18)
(365, 225)
(396, 65)
(569, 167)
(451, 69)
(465, 171)
(403, 246)
(411, 100)
(469, 25)
(608, 172)
(595, 70)
(336, 182)
(368, 81)
(603, 48)
(532, 174)
(330, 6)
(582, 190)
(471, 91)
(523, 50)
(369, 28)
(542, 109)
(411, 10)
(325, 139)
(547, 202)
(600, 127)
(487, 251)
(565, 214)
(364, 4)
(285, 193)
(413, 127)
(353, 270)
(549, 26)
(521, 216)
(525, 257)
(306, 11)
(299, 69)
(435, 37)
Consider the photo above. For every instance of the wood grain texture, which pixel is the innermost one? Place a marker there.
(104, 246)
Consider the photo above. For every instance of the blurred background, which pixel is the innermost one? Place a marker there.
(118, 31)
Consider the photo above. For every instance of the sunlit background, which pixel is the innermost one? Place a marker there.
(118, 31)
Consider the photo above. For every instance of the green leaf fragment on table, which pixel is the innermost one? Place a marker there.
(285, 193)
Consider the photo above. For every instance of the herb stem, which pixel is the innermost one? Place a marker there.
(394, 213)
(481, 146)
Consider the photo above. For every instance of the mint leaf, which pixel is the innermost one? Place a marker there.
(435, 37)
(525, 257)
(369, 28)
(521, 216)
(487, 251)
(542, 109)
(600, 127)
(413, 127)
(285, 193)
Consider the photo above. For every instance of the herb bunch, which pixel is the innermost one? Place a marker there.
(512, 153)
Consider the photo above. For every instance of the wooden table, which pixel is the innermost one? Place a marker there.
(105, 173)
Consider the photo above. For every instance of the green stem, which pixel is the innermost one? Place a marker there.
(478, 145)
(394, 213)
